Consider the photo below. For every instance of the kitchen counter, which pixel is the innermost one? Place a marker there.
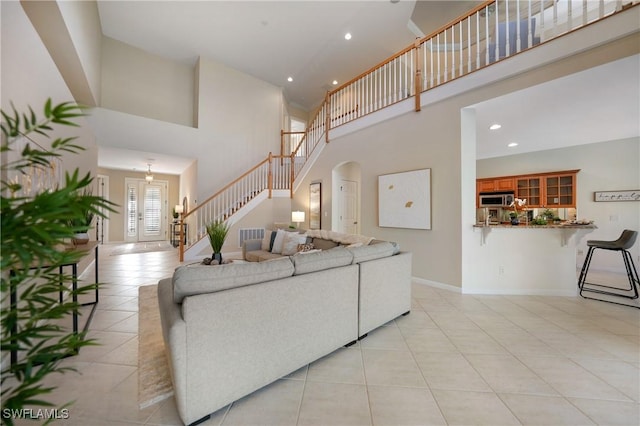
(548, 226)
(525, 259)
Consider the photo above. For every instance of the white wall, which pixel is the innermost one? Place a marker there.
(605, 166)
(29, 79)
(239, 119)
(140, 83)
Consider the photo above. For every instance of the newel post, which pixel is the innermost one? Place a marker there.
(418, 75)
(270, 175)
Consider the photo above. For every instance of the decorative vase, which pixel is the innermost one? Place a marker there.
(80, 238)
(218, 257)
(515, 221)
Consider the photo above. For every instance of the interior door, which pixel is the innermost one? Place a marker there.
(146, 210)
(348, 217)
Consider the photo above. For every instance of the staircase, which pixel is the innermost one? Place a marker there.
(490, 33)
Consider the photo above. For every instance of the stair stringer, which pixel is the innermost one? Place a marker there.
(196, 250)
(315, 154)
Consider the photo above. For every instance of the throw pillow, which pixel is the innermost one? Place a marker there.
(266, 241)
(305, 247)
(291, 242)
(279, 241)
(272, 240)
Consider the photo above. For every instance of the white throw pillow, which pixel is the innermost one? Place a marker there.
(291, 241)
(279, 241)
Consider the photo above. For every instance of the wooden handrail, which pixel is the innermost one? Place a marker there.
(229, 185)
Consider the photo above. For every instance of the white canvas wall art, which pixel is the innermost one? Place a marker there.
(404, 200)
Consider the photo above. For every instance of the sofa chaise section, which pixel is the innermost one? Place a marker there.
(226, 343)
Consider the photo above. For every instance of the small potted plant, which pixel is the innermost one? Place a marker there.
(81, 224)
(175, 214)
(217, 232)
(548, 215)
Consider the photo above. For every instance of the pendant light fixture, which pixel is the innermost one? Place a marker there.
(149, 176)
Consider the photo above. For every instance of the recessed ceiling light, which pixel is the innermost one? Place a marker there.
(347, 36)
(290, 79)
(512, 144)
(335, 82)
(495, 126)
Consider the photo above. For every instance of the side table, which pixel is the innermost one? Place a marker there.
(74, 283)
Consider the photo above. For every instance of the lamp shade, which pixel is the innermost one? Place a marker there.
(179, 208)
(297, 216)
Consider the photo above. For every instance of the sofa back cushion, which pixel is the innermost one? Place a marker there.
(371, 252)
(195, 279)
(322, 244)
(305, 263)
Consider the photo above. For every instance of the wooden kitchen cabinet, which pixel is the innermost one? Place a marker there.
(530, 189)
(492, 185)
(560, 190)
(553, 189)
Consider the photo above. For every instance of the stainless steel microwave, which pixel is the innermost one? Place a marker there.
(496, 199)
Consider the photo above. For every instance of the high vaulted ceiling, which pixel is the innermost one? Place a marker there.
(273, 40)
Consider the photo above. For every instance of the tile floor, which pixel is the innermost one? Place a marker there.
(456, 359)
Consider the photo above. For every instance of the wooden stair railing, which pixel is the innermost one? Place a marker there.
(489, 33)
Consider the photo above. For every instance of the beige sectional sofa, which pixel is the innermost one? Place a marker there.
(231, 329)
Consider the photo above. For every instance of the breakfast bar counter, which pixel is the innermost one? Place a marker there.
(524, 259)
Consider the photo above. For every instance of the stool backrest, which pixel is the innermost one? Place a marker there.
(627, 239)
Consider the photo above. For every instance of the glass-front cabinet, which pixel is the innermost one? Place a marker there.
(560, 191)
(528, 188)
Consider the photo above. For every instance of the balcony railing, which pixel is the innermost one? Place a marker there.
(492, 32)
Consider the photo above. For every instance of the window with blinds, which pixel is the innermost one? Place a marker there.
(132, 211)
(152, 210)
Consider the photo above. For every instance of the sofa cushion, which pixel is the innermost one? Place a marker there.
(321, 244)
(279, 241)
(305, 263)
(260, 256)
(371, 252)
(267, 241)
(291, 241)
(196, 279)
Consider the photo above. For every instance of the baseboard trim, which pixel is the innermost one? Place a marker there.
(436, 284)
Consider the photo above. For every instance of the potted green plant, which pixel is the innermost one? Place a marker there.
(217, 232)
(34, 231)
(175, 214)
(81, 224)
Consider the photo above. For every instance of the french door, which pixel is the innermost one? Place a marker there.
(146, 210)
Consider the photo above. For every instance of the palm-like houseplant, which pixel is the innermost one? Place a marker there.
(217, 232)
(34, 228)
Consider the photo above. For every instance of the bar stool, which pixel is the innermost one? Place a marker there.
(622, 244)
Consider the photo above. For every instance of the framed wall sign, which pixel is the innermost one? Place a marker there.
(404, 200)
(315, 205)
(631, 195)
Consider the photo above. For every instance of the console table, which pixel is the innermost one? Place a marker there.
(74, 282)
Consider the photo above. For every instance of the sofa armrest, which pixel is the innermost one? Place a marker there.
(250, 245)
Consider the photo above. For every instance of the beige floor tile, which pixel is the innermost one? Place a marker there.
(609, 412)
(165, 414)
(452, 320)
(621, 375)
(391, 368)
(450, 371)
(474, 342)
(104, 319)
(416, 320)
(570, 379)
(544, 410)
(395, 406)
(299, 374)
(106, 341)
(128, 325)
(385, 338)
(334, 404)
(342, 366)
(125, 354)
(505, 373)
(571, 345)
(428, 340)
(473, 408)
(276, 404)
